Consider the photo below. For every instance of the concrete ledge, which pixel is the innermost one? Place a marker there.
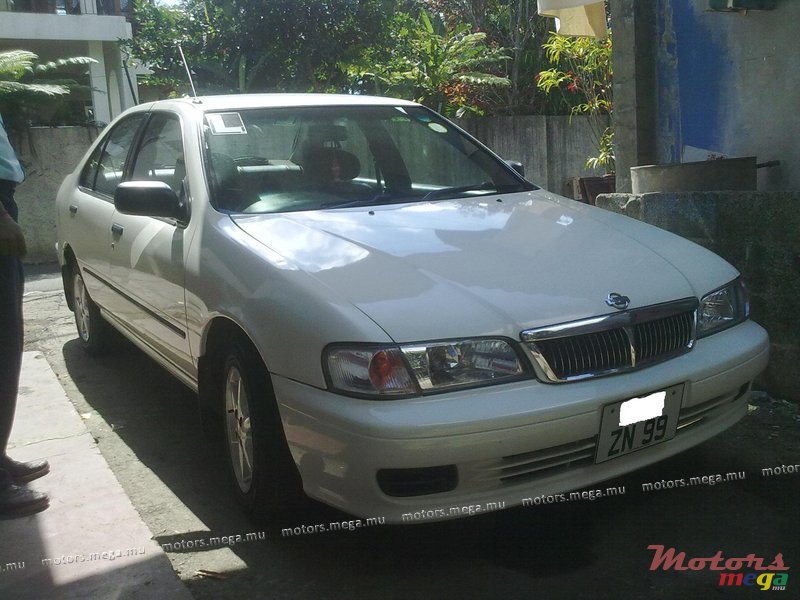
(757, 232)
(42, 26)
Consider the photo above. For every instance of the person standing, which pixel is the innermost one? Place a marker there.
(16, 499)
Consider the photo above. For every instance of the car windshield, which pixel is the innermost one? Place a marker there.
(310, 158)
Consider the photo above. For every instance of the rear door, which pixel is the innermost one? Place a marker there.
(87, 222)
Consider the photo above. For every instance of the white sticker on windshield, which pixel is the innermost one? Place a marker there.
(226, 124)
(438, 128)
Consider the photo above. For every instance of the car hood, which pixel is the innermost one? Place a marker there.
(493, 265)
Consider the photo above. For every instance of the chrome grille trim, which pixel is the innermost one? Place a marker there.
(540, 463)
(612, 343)
(694, 414)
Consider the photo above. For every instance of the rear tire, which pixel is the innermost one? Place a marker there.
(263, 474)
(92, 329)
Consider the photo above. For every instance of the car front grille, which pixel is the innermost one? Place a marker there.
(613, 343)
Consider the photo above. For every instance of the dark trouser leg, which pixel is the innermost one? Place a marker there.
(11, 330)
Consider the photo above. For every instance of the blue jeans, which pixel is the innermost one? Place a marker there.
(12, 280)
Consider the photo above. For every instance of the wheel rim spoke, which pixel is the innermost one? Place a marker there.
(81, 308)
(240, 436)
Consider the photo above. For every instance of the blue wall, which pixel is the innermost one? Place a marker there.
(729, 84)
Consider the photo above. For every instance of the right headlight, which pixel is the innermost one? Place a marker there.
(386, 372)
(723, 308)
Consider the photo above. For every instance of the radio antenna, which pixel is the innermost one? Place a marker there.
(188, 72)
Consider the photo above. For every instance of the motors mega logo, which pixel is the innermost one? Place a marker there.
(732, 570)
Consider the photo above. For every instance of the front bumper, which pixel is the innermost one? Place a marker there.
(507, 442)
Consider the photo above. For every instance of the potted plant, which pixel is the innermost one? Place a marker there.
(582, 74)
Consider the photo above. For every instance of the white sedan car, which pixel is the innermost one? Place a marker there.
(379, 312)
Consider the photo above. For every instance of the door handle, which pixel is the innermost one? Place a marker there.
(73, 208)
(117, 229)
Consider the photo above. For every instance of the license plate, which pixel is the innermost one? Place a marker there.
(638, 423)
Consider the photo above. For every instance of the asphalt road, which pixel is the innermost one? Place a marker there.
(147, 428)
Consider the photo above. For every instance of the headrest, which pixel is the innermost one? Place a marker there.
(320, 164)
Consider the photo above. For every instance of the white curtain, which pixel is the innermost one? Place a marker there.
(576, 17)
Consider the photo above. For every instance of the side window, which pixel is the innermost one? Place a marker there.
(89, 172)
(160, 153)
(111, 163)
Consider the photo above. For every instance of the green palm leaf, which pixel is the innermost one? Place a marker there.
(15, 63)
(45, 89)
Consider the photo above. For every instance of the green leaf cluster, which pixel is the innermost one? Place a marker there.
(459, 56)
(515, 26)
(431, 63)
(34, 91)
(253, 46)
(581, 77)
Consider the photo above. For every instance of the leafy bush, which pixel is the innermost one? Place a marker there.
(582, 74)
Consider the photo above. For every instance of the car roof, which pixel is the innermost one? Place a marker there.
(246, 101)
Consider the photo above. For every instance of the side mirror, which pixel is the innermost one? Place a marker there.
(517, 166)
(149, 199)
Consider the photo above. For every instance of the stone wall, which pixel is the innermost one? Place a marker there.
(757, 232)
(48, 155)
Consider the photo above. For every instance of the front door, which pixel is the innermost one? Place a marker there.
(148, 253)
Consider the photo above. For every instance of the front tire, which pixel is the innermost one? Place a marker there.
(92, 329)
(264, 477)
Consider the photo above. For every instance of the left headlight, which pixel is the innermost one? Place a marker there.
(385, 372)
(723, 308)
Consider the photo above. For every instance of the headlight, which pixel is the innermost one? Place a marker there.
(723, 308)
(414, 369)
(369, 371)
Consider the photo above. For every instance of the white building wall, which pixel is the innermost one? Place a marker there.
(38, 26)
(92, 35)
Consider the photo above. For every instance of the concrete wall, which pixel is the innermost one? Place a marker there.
(634, 87)
(757, 232)
(48, 155)
(553, 150)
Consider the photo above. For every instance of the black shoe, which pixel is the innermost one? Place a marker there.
(23, 472)
(21, 501)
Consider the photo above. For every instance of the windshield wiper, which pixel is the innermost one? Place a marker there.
(382, 198)
(387, 198)
(475, 187)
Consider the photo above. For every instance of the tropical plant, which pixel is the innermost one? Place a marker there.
(582, 74)
(27, 86)
(159, 34)
(433, 64)
(516, 26)
(255, 46)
